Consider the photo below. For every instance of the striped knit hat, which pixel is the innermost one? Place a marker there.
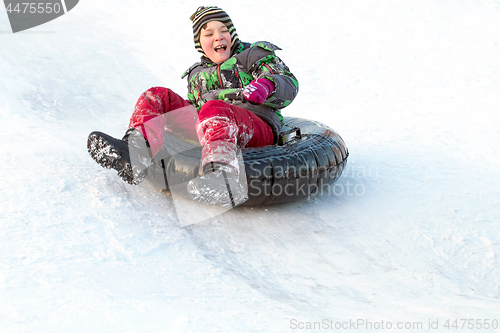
(203, 15)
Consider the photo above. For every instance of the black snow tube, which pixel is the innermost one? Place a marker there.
(305, 166)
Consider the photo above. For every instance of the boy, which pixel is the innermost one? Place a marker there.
(235, 93)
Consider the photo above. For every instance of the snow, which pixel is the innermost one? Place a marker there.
(411, 234)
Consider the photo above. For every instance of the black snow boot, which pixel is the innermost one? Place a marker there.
(220, 185)
(129, 156)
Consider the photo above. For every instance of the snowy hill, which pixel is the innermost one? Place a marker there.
(411, 235)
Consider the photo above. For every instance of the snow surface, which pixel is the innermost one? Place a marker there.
(412, 234)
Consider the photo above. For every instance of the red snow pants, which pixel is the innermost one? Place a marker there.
(220, 127)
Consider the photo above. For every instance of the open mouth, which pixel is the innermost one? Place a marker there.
(220, 48)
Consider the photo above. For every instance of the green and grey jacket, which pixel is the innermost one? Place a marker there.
(209, 81)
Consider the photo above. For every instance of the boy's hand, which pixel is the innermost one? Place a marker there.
(258, 90)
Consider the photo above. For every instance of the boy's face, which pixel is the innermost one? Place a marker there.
(215, 41)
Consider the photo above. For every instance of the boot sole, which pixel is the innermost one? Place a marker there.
(219, 198)
(108, 157)
(222, 195)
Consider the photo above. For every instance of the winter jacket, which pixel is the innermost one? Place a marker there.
(208, 81)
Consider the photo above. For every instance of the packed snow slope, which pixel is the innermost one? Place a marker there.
(411, 234)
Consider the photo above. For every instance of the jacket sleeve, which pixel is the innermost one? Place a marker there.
(274, 69)
(192, 86)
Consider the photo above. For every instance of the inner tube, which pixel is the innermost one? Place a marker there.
(304, 166)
